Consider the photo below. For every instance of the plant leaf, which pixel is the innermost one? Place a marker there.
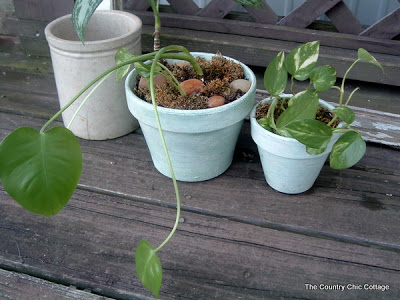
(81, 14)
(323, 78)
(255, 3)
(347, 151)
(275, 76)
(40, 170)
(312, 133)
(304, 106)
(264, 122)
(148, 267)
(345, 113)
(122, 56)
(313, 151)
(366, 56)
(301, 60)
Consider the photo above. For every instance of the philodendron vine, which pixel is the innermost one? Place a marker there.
(41, 169)
(298, 119)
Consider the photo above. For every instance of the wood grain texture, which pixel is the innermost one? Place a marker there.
(19, 286)
(136, 4)
(217, 9)
(369, 181)
(91, 243)
(266, 15)
(386, 28)
(307, 12)
(184, 7)
(263, 50)
(181, 24)
(343, 19)
(43, 10)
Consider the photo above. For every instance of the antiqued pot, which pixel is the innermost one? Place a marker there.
(287, 167)
(201, 142)
(105, 115)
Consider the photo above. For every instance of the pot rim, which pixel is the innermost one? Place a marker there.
(55, 41)
(197, 112)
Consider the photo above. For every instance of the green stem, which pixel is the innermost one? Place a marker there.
(86, 98)
(172, 79)
(344, 130)
(270, 113)
(292, 85)
(164, 144)
(155, 6)
(182, 56)
(351, 95)
(332, 121)
(128, 62)
(343, 80)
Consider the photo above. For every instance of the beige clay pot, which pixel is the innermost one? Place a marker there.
(105, 115)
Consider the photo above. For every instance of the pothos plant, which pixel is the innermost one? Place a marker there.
(299, 111)
(41, 169)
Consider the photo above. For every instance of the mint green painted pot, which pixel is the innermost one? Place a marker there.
(201, 143)
(287, 167)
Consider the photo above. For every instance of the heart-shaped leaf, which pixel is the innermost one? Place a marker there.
(255, 3)
(312, 133)
(275, 76)
(323, 78)
(40, 170)
(305, 107)
(345, 113)
(366, 56)
(122, 56)
(81, 14)
(301, 60)
(347, 151)
(148, 267)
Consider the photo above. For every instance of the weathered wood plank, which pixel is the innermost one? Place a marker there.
(372, 180)
(217, 9)
(266, 15)
(386, 28)
(307, 12)
(136, 4)
(19, 286)
(43, 10)
(343, 19)
(266, 31)
(91, 243)
(263, 50)
(378, 127)
(184, 7)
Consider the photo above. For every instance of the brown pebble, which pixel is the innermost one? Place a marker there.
(215, 101)
(241, 84)
(182, 64)
(158, 80)
(191, 86)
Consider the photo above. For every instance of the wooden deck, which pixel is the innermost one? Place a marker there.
(237, 239)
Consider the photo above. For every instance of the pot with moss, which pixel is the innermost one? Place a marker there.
(296, 133)
(201, 126)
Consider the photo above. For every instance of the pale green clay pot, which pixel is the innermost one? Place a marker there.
(201, 142)
(287, 167)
